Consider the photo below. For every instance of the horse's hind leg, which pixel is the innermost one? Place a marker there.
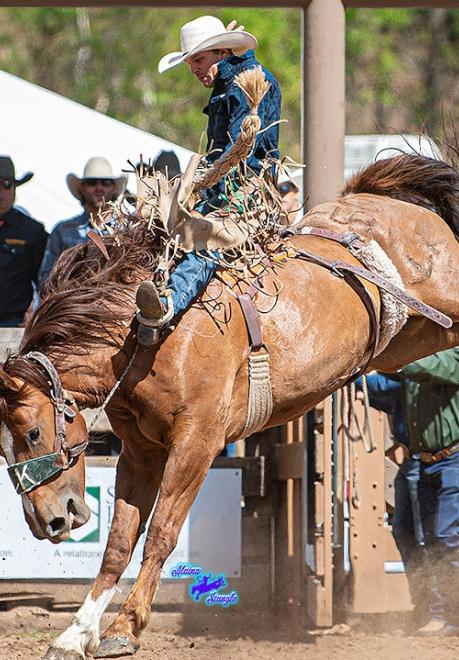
(189, 461)
(136, 488)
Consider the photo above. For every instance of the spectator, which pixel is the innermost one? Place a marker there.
(427, 488)
(97, 185)
(432, 413)
(22, 243)
(289, 193)
(385, 394)
(167, 163)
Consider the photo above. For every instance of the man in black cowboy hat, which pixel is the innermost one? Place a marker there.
(167, 163)
(22, 243)
(97, 185)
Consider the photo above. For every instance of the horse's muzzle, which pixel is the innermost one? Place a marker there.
(56, 523)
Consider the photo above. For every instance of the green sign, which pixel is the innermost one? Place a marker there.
(90, 532)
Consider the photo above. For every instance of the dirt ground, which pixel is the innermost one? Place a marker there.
(26, 632)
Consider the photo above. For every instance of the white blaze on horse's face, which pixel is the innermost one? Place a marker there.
(6, 444)
(57, 505)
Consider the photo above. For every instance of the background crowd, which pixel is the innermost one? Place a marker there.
(28, 254)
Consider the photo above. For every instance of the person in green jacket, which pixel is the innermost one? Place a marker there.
(431, 391)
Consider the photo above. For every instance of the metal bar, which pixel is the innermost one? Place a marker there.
(253, 470)
(320, 583)
(323, 99)
(335, 470)
(399, 4)
(289, 551)
(187, 4)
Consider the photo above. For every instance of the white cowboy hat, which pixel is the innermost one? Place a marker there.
(286, 180)
(206, 33)
(96, 168)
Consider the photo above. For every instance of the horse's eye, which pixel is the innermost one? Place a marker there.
(34, 434)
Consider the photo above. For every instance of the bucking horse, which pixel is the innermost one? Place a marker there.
(324, 316)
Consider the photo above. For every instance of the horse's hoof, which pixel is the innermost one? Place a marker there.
(113, 647)
(61, 654)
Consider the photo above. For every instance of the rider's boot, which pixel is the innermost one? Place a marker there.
(153, 314)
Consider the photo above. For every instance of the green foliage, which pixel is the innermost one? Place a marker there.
(106, 58)
(400, 76)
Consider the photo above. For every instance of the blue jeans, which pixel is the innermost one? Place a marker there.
(439, 501)
(406, 521)
(409, 535)
(189, 279)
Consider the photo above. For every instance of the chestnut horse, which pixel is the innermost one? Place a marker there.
(183, 399)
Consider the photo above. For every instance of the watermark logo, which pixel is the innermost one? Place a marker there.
(185, 571)
(205, 585)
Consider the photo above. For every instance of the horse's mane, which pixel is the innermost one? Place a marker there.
(413, 178)
(88, 301)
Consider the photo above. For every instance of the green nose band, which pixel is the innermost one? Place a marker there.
(32, 473)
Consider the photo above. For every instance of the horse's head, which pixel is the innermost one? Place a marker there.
(42, 438)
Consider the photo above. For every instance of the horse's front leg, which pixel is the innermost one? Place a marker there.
(190, 458)
(137, 485)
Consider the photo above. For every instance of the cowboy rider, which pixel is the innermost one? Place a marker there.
(215, 56)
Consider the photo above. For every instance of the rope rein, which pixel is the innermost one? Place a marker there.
(113, 390)
(364, 434)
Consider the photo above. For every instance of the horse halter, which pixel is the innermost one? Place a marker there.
(30, 474)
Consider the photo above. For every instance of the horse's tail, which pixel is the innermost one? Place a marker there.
(416, 179)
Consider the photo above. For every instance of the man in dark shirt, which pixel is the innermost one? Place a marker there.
(22, 243)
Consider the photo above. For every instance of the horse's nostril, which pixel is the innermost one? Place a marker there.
(57, 525)
(78, 512)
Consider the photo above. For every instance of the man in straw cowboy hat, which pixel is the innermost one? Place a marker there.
(22, 242)
(97, 186)
(215, 56)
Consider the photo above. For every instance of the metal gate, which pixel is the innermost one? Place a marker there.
(333, 543)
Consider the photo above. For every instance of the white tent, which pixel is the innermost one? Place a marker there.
(362, 150)
(51, 136)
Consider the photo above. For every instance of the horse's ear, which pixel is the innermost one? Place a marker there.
(6, 382)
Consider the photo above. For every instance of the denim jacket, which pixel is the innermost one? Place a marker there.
(228, 106)
(66, 234)
(385, 393)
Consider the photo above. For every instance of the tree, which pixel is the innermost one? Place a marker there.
(402, 65)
